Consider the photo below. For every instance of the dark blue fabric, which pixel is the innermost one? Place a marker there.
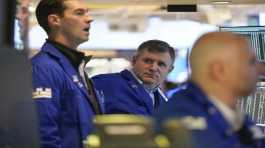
(66, 116)
(192, 102)
(124, 94)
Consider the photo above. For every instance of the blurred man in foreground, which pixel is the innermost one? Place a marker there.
(223, 68)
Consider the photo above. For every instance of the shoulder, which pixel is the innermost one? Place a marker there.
(106, 77)
(188, 97)
(182, 103)
(183, 97)
(46, 68)
(45, 60)
(42, 58)
(106, 81)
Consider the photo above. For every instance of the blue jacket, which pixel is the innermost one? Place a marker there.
(125, 95)
(192, 105)
(65, 112)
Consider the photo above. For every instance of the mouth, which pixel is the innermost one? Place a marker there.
(150, 76)
(86, 29)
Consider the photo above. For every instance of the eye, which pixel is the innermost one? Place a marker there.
(161, 64)
(148, 61)
(80, 12)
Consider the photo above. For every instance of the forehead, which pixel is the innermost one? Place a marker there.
(161, 56)
(246, 46)
(22, 2)
(75, 4)
(245, 50)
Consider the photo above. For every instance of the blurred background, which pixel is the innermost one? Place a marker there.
(121, 25)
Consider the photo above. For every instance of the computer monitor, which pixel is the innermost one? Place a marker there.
(256, 34)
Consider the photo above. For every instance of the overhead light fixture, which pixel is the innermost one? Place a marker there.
(182, 8)
(221, 2)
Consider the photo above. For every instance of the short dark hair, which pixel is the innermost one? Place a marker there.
(157, 46)
(47, 7)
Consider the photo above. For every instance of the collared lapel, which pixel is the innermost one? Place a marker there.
(159, 97)
(67, 67)
(214, 115)
(139, 90)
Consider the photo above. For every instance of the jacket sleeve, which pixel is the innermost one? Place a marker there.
(46, 95)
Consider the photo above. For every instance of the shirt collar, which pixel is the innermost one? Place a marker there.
(74, 56)
(148, 89)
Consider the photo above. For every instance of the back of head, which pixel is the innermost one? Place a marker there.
(210, 47)
(226, 61)
(156, 46)
(47, 7)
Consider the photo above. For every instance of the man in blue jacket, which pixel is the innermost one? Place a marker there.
(223, 68)
(137, 91)
(65, 98)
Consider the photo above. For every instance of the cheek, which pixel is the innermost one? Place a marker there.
(141, 67)
(163, 74)
(249, 75)
(74, 24)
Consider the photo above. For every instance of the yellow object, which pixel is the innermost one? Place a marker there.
(162, 141)
(93, 141)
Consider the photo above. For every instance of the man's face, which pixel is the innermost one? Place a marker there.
(22, 14)
(244, 70)
(75, 23)
(152, 68)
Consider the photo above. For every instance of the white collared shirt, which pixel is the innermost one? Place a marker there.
(234, 117)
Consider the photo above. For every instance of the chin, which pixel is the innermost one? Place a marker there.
(84, 40)
(151, 84)
(247, 92)
(147, 81)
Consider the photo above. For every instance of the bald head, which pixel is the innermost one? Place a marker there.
(211, 47)
(223, 63)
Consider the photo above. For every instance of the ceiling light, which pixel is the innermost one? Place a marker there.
(221, 2)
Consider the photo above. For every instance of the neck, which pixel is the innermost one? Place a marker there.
(66, 42)
(220, 92)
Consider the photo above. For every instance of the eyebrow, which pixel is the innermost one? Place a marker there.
(82, 9)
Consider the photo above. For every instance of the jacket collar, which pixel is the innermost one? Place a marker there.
(141, 91)
(66, 65)
(157, 89)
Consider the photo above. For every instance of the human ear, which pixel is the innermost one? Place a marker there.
(134, 58)
(217, 71)
(54, 20)
(171, 68)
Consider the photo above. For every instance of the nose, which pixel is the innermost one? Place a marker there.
(154, 66)
(89, 18)
(261, 68)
